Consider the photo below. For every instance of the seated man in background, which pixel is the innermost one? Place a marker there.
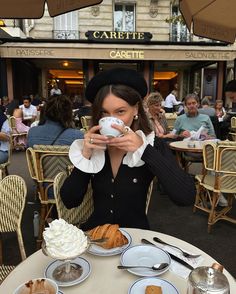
(171, 101)
(192, 120)
(29, 110)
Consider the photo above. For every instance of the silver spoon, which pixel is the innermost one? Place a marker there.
(155, 267)
(186, 254)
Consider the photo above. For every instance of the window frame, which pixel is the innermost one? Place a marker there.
(67, 22)
(124, 4)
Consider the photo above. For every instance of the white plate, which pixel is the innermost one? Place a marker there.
(139, 286)
(147, 255)
(98, 250)
(80, 261)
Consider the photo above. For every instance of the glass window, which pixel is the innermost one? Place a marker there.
(179, 31)
(66, 26)
(124, 17)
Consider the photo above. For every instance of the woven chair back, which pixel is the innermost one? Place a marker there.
(209, 156)
(77, 215)
(12, 202)
(85, 122)
(233, 122)
(4, 166)
(45, 161)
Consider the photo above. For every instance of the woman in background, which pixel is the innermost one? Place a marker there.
(220, 110)
(157, 115)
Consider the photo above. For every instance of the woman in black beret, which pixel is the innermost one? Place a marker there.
(122, 168)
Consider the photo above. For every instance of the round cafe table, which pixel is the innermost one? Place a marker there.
(105, 277)
(184, 146)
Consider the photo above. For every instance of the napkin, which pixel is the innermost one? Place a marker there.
(177, 267)
(196, 135)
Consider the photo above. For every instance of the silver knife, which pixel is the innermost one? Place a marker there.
(179, 260)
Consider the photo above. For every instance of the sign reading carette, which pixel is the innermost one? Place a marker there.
(120, 37)
(127, 54)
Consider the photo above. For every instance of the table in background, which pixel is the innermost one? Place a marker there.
(105, 277)
(183, 146)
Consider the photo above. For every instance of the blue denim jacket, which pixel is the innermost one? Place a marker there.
(45, 134)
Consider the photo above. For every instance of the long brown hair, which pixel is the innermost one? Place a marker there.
(58, 108)
(131, 96)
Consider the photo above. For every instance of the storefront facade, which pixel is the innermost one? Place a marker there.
(71, 48)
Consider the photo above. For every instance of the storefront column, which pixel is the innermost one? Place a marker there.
(3, 78)
(235, 69)
(45, 85)
(221, 76)
(146, 74)
(10, 80)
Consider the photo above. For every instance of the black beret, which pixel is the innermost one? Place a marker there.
(116, 76)
(231, 86)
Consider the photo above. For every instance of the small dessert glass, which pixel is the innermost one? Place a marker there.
(68, 271)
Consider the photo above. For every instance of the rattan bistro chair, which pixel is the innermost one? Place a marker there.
(85, 122)
(44, 163)
(4, 166)
(232, 132)
(77, 215)
(12, 202)
(219, 177)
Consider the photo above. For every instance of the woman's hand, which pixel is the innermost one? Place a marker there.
(129, 142)
(93, 140)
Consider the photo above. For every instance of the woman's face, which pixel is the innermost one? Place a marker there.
(219, 105)
(155, 108)
(117, 107)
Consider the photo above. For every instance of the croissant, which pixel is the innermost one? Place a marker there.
(153, 290)
(112, 232)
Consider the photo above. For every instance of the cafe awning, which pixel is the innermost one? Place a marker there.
(35, 8)
(214, 19)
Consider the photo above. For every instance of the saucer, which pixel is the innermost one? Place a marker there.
(79, 261)
(139, 286)
(147, 255)
(100, 251)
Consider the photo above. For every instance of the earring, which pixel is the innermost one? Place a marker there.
(136, 117)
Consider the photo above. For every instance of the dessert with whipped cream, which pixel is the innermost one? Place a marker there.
(38, 286)
(63, 240)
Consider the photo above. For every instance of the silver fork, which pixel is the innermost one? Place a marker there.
(185, 254)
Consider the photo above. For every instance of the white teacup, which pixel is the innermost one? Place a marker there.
(38, 286)
(107, 129)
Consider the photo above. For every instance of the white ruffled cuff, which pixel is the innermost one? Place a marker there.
(92, 165)
(133, 159)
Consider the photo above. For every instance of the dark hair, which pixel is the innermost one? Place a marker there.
(25, 97)
(14, 104)
(131, 96)
(191, 96)
(58, 108)
(231, 86)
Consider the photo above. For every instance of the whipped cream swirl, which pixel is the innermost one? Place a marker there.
(63, 240)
